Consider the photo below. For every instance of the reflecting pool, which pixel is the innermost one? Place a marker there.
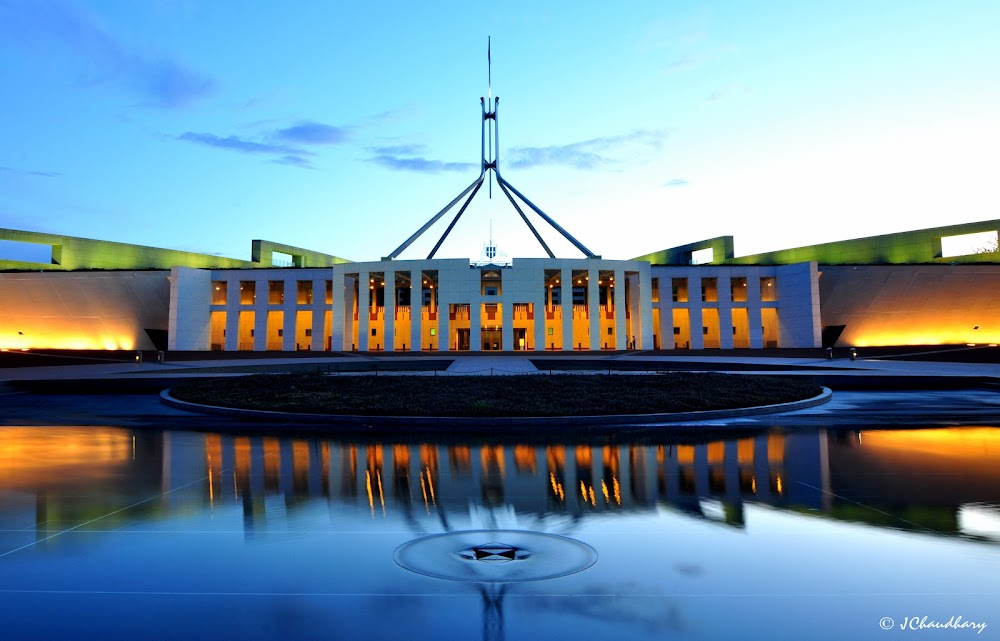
(111, 533)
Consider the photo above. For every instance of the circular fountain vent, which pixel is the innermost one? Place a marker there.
(495, 556)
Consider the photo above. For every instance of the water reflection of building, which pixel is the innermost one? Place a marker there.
(59, 477)
(573, 479)
(945, 481)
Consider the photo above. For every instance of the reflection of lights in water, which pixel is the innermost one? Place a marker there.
(979, 520)
(368, 488)
(781, 489)
(430, 484)
(211, 484)
(371, 491)
(32, 457)
(713, 509)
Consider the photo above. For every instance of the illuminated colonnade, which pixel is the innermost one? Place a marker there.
(532, 305)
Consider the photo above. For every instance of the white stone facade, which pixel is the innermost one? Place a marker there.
(734, 306)
(504, 308)
(534, 304)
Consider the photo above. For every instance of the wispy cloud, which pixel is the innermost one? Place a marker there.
(286, 145)
(27, 172)
(235, 143)
(418, 163)
(156, 78)
(400, 150)
(294, 161)
(676, 182)
(314, 133)
(588, 154)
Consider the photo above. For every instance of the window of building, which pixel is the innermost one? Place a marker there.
(680, 289)
(490, 282)
(304, 292)
(219, 288)
(248, 292)
(275, 292)
(709, 290)
(768, 288)
(738, 289)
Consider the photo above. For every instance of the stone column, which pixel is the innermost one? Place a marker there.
(232, 313)
(260, 315)
(364, 298)
(319, 308)
(289, 311)
(389, 325)
(566, 287)
(539, 296)
(621, 327)
(416, 310)
(594, 308)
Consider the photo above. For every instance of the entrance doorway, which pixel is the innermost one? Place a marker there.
(463, 340)
(520, 338)
(491, 339)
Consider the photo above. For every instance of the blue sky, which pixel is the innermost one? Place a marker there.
(343, 127)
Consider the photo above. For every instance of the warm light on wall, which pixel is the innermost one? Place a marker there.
(12, 341)
(938, 335)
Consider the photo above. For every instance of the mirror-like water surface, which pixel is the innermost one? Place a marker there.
(111, 533)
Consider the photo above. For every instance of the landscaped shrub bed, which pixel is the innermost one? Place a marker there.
(526, 395)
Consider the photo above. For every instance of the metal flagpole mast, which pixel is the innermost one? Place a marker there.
(490, 152)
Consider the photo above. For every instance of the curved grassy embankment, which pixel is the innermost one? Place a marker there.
(494, 396)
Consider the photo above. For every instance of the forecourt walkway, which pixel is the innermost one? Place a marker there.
(893, 392)
(515, 364)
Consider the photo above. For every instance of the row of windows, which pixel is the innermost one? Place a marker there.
(679, 290)
(275, 292)
(710, 289)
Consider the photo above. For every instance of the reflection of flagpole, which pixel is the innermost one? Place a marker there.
(493, 595)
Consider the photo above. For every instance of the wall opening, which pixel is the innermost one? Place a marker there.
(22, 252)
(702, 256)
(983, 242)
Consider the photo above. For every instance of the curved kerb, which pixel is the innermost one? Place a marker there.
(499, 421)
